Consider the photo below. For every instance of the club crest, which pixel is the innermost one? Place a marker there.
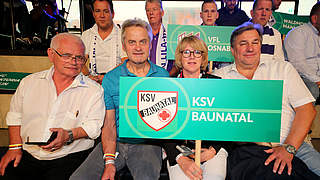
(157, 108)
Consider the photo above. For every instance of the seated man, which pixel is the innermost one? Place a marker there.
(302, 50)
(297, 109)
(272, 42)
(143, 159)
(52, 101)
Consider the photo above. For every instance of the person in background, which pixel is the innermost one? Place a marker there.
(102, 41)
(191, 58)
(231, 15)
(276, 5)
(142, 158)
(272, 42)
(158, 52)
(209, 15)
(49, 102)
(302, 50)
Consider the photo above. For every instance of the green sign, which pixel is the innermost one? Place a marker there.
(217, 39)
(11, 80)
(200, 109)
(285, 22)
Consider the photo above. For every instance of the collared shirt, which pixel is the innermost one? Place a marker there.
(237, 18)
(36, 107)
(111, 80)
(104, 54)
(302, 47)
(295, 93)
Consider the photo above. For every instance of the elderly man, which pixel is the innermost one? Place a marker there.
(103, 41)
(158, 52)
(52, 101)
(272, 42)
(302, 50)
(142, 159)
(297, 109)
(231, 15)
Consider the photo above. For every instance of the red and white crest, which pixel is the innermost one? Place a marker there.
(157, 108)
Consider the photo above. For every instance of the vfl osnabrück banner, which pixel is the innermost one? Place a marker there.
(200, 109)
(11, 80)
(217, 39)
(285, 22)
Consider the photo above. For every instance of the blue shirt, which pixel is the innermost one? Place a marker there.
(111, 81)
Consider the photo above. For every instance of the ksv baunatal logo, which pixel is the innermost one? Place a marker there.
(157, 108)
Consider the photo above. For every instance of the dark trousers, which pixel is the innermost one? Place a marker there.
(32, 168)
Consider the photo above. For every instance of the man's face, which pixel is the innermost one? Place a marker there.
(102, 14)
(209, 14)
(65, 67)
(137, 44)
(315, 20)
(276, 4)
(154, 13)
(247, 50)
(231, 4)
(261, 14)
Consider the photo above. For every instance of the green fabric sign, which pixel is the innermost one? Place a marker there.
(11, 80)
(285, 22)
(217, 39)
(200, 109)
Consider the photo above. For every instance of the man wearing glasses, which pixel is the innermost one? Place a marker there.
(60, 100)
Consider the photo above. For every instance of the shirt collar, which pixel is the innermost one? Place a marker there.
(313, 28)
(233, 66)
(77, 82)
(126, 72)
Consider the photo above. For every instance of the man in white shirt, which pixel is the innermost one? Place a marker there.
(297, 109)
(60, 100)
(103, 41)
(272, 42)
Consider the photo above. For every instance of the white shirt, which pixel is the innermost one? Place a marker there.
(36, 107)
(302, 45)
(295, 93)
(104, 54)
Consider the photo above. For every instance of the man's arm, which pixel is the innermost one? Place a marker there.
(108, 140)
(12, 155)
(299, 129)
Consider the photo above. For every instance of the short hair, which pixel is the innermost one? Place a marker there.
(154, 1)
(196, 43)
(56, 40)
(315, 10)
(208, 1)
(110, 4)
(255, 3)
(137, 23)
(247, 26)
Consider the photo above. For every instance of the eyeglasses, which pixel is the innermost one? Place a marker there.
(68, 57)
(187, 53)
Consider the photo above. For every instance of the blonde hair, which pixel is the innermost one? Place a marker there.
(196, 43)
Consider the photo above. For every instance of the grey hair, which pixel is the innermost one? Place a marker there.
(247, 26)
(56, 40)
(137, 23)
(154, 1)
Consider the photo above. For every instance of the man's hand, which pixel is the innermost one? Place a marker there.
(11, 155)
(59, 142)
(109, 172)
(189, 168)
(282, 157)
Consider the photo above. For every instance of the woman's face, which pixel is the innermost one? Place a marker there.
(191, 59)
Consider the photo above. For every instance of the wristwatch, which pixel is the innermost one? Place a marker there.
(291, 149)
(70, 140)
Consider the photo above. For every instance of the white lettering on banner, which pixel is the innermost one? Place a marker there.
(213, 39)
(221, 116)
(218, 48)
(203, 101)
